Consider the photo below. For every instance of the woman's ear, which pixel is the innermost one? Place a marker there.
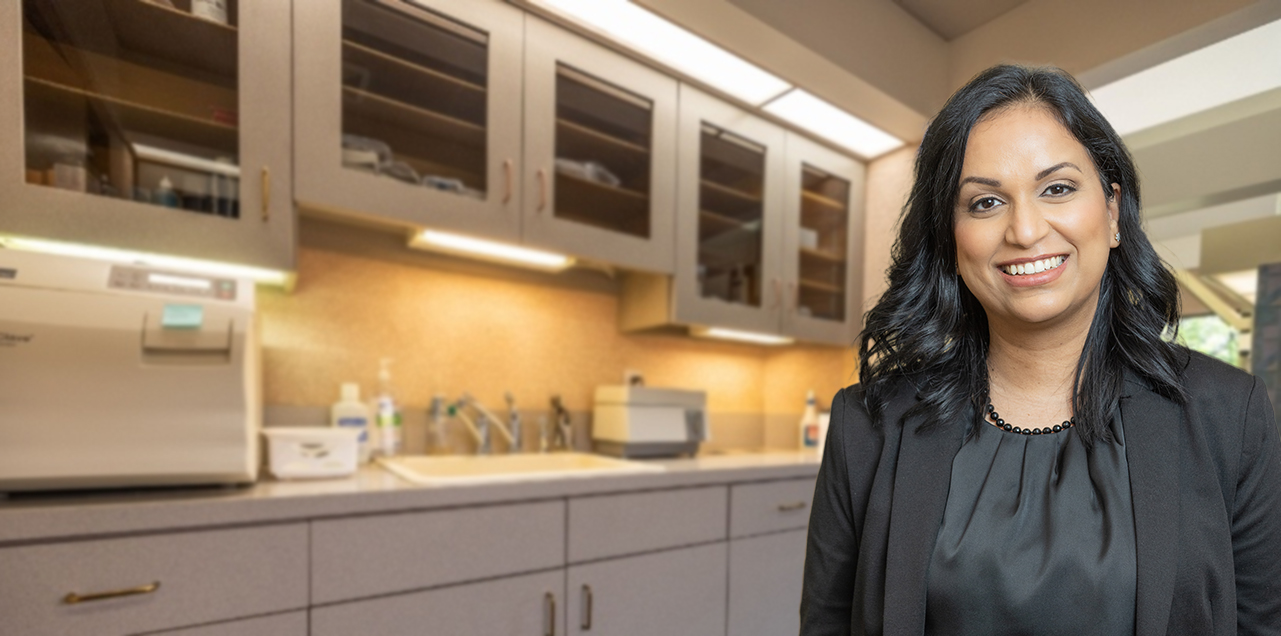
(1114, 213)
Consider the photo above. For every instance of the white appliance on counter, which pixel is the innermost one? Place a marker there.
(636, 421)
(117, 375)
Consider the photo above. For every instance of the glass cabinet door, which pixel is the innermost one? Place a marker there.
(729, 274)
(600, 148)
(824, 221)
(144, 109)
(410, 111)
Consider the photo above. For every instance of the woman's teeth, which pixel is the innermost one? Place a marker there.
(1034, 267)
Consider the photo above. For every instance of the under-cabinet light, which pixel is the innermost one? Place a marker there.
(490, 250)
(173, 263)
(741, 336)
(669, 44)
(1241, 66)
(803, 109)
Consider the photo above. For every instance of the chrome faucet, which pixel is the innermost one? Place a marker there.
(481, 427)
(562, 433)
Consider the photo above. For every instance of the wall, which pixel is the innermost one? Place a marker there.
(454, 325)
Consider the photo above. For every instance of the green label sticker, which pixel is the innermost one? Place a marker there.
(183, 317)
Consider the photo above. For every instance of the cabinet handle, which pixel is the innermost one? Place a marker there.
(587, 607)
(800, 505)
(542, 189)
(72, 598)
(507, 181)
(266, 193)
(550, 602)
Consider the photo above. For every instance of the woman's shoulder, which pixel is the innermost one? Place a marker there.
(1204, 377)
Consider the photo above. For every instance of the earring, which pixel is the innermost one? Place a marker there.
(1118, 237)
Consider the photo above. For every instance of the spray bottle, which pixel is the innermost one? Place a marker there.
(387, 412)
(810, 438)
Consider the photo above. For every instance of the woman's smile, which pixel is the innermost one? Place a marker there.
(1033, 272)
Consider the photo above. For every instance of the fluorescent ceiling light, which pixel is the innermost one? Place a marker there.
(741, 336)
(804, 110)
(489, 250)
(1244, 283)
(673, 46)
(174, 263)
(1236, 68)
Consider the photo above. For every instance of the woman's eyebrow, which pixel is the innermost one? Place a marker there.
(1048, 171)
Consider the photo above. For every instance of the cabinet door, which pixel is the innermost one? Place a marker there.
(675, 592)
(409, 112)
(145, 127)
(765, 576)
(600, 148)
(823, 255)
(729, 217)
(519, 606)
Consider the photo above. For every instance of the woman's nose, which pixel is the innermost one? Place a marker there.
(1027, 225)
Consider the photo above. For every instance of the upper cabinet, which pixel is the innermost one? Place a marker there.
(152, 126)
(822, 260)
(769, 226)
(471, 116)
(410, 112)
(730, 210)
(600, 138)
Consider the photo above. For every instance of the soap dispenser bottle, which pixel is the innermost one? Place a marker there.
(350, 412)
(387, 412)
(810, 434)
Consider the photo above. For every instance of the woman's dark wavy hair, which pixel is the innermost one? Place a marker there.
(930, 329)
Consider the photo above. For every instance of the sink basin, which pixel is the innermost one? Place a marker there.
(447, 470)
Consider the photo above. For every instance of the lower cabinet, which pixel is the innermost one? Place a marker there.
(765, 575)
(519, 606)
(291, 624)
(674, 592)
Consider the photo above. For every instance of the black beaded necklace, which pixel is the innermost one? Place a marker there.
(1006, 426)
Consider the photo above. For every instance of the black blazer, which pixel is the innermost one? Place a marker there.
(1205, 482)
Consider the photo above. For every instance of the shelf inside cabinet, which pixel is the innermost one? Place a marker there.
(729, 201)
(175, 36)
(822, 256)
(814, 285)
(142, 118)
(602, 205)
(441, 80)
(822, 201)
(407, 116)
(712, 225)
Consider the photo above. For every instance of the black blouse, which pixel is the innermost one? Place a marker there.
(1037, 538)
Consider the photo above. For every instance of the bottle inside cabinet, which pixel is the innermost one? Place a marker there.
(822, 239)
(414, 96)
(731, 212)
(602, 154)
(134, 99)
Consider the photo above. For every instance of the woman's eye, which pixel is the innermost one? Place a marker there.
(984, 204)
(1059, 189)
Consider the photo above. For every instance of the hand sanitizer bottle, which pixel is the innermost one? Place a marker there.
(350, 412)
(810, 439)
(387, 413)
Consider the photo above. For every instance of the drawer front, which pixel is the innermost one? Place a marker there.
(770, 506)
(765, 579)
(291, 624)
(384, 554)
(614, 525)
(203, 577)
(519, 605)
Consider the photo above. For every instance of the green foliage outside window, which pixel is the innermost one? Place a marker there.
(1211, 336)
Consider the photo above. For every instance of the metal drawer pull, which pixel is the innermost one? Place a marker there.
(800, 505)
(587, 607)
(507, 180)
(266, 193)
(550, 602)
(72, 598)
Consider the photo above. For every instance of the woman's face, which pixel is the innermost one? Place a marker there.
(1033, 225)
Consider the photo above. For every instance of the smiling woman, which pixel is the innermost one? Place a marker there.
(1125, 485)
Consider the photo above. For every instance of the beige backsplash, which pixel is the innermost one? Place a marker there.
(454, 325)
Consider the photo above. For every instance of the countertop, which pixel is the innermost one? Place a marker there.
(28, 518)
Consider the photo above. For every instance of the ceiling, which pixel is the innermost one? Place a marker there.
(951, 19)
